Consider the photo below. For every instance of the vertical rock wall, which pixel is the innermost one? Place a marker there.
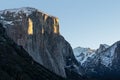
(38, 33)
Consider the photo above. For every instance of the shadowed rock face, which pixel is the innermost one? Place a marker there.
(16, 64)
(38, 33)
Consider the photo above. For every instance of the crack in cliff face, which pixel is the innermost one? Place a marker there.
(38, 34)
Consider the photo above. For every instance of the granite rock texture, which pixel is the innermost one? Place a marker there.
(38, 33)
(17, 64)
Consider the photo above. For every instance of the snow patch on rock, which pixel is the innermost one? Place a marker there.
(82, 54)
(26, 10)
(108, 56)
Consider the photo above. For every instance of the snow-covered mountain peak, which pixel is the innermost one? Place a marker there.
(11, 16)
(118, 43)
(104, 45)
(108, 55)
(105, 60)
(104, 53)
(82, 54)
(26, 10)
(80, 50)
(102, 48)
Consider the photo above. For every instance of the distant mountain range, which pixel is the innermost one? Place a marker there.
(102, 63)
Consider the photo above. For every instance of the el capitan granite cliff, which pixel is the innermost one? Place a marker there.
(38, 33)
(16, 64)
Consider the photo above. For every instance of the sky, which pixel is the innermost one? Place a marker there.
(85, 23)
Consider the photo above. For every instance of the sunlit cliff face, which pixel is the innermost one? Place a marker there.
(56, 26)
(46, 16)
(30, 27)
(42, 30)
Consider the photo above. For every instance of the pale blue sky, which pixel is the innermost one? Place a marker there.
(85, 23)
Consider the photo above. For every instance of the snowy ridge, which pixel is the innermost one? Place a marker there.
(108, 56)
(26, 10)
(17, 15)
(104, 53)
(105, 45)
(104, 63)
(82, 54)
(102, 48)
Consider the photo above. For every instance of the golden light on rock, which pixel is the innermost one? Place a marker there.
(56, 30)
(57, 20)
(42, 30)
(46, 16)
(30, 27)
